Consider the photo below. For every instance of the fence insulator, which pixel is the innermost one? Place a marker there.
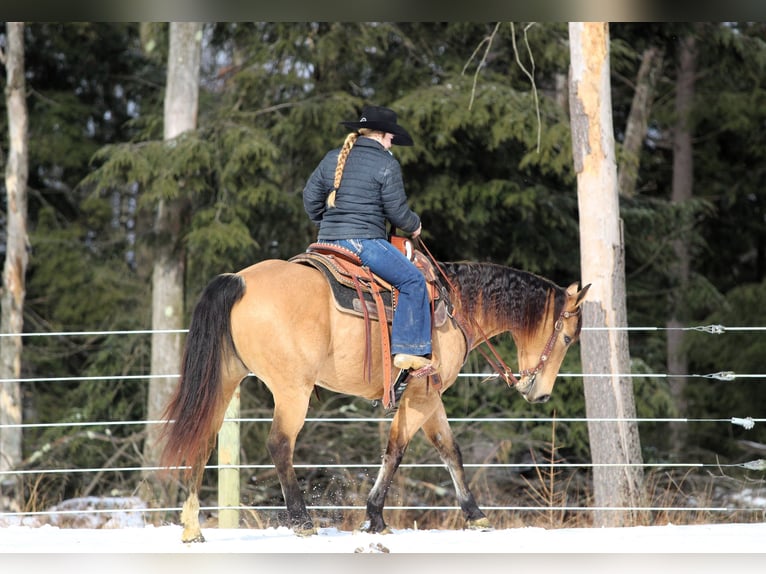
(721, 376)
(759, 464)
(713, 329)
(747, 422)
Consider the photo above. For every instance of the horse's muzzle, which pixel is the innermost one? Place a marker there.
(527, 389)
(526, 384)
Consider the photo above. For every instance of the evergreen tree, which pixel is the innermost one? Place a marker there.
(271, 99)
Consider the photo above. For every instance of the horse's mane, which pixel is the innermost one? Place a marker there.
(511, 296)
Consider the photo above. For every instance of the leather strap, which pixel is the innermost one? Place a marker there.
(367, 337)
(388, 391)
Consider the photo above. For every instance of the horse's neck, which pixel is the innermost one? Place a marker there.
(481, 325)
(494, 299)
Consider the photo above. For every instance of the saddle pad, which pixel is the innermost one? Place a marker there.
(346, 298)
(345, 294)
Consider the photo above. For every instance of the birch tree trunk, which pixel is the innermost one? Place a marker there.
(181, 103)
(683, 182)
(604, 347)
(16, 255)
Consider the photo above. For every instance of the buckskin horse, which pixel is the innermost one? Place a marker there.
(279, 320)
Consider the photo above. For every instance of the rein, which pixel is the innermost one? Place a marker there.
(499, 366)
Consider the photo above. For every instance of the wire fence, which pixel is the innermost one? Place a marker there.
(746, 422)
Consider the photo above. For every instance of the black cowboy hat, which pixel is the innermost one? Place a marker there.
(381, 119)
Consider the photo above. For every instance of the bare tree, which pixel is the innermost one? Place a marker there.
(635, 130)
(604, 347)
(16, 254)
(181, 103)
(683, 183)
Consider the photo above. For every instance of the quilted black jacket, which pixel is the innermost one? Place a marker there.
(371, 192)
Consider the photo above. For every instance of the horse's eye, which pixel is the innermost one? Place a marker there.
(567, 339)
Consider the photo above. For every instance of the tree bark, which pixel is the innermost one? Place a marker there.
(682, 185)
(604, 347)
(562, 92)
(16, 255)
(635, 130)
(181, 103)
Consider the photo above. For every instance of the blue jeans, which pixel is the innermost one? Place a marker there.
(411, 326)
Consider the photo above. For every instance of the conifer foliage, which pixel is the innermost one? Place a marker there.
(490, 173)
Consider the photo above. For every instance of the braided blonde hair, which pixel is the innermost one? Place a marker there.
(342, 157)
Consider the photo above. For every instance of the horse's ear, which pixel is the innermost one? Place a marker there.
(574, 291)
(581, 294)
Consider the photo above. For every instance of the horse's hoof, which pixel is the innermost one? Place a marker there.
(304, 531)
(479, 524)
(367, 528)
(198, 538)
(386, 530)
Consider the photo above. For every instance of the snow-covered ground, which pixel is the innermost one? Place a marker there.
(671, 539)
(669, 549)
(119, 541)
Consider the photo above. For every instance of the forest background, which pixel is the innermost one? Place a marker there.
(491, 175)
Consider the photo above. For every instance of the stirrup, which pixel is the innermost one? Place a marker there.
(400, 385)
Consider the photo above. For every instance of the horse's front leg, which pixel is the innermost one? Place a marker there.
(439, 433)
(374, 522)
(404, 425)
(288, 421)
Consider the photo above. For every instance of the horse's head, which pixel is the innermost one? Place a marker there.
(542, 351)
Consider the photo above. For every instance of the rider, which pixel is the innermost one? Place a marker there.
(350, 195)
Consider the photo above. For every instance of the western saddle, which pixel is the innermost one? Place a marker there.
(358, 291)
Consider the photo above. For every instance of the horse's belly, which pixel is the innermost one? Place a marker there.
(344, 369)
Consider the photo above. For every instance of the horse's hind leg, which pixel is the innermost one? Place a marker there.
(439, 433)
(289, 416)
(192, 531)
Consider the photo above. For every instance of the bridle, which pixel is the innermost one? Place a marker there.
(549, 345)
(498, 364)
(505, 372)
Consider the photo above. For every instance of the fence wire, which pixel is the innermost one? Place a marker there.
(724, 375)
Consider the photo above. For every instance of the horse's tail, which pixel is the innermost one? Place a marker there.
(191, 413)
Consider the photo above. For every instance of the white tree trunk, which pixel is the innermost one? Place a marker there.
(16, 255)
(604, 350)
(181, 103)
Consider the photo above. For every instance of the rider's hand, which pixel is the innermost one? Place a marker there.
(417, 231)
